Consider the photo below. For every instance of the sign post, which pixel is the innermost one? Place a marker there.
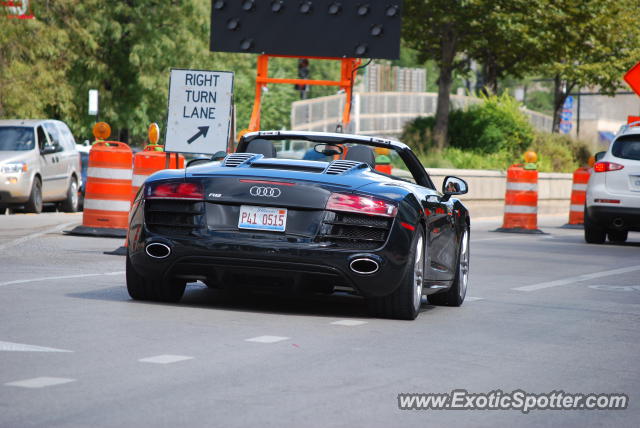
(199, 117)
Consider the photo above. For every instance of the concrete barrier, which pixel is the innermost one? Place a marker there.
(487, 189)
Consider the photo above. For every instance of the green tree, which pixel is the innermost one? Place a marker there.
(590, 43)
(441, 30)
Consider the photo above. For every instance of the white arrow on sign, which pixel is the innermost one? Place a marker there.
(199, 116)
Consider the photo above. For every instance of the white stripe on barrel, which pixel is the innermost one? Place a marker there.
(579, 187)
(138, 180)
(520, 209)
(107, 205)
(522, 187)
(577, 208)
(109, 173)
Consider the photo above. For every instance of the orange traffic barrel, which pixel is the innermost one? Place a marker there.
(150, 160)
(521, 201)
(578, 196)
(108, 190)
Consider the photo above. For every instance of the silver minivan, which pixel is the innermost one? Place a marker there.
(39, 163)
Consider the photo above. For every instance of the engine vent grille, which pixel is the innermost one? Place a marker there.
(356, 231)
(174, 218)
(341, 166)
(235, 159)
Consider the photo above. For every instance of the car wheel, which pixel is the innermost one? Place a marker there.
(141, 288)
(404, 303)
(617, 236)
(34, 204)
(455, 295)
(593, 233)
(70, 205)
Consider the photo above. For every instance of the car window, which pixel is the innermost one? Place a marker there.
(16, 138)
(54, 134)
(67, 137)
(627, 147)
(42, 137)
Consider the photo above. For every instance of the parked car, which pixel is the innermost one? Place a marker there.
(262, 219)
(612, 208)
(39, 163)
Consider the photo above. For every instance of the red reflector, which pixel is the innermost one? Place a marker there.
(361, 205)
(607, 166)
(171, 190)
(277, 183)
(407, 226)
(607, 201)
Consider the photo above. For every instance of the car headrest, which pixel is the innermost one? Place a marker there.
(261, 147)
(361, 154)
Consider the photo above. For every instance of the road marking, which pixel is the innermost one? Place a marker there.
(580, 278)
(267, 339)
(473, 299)
(40, 382)
(349, 323)
(49, 278)
(165, 359)
(21, 347)
(35, 235)
(494, 239)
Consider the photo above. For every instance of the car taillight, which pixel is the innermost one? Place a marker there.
(607, 166)
(173, 190)
(361, 205)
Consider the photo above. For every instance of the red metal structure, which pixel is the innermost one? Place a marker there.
(349, 67)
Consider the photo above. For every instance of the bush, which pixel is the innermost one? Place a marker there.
(493, 135)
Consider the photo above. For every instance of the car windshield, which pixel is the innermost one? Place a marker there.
(16, 138)
(385, 161)
(627, 147)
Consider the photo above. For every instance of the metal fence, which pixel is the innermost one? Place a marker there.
(381, 113)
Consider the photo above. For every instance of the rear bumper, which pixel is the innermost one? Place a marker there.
(302, 267)
(605, 216)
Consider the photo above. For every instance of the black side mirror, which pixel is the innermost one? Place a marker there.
(599, 155)
(453, 186)
(48, 149)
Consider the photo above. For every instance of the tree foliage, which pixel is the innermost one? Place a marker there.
(125, 50)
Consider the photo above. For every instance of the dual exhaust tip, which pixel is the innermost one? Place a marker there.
(157, 250)
(364, 265)
(359, 265)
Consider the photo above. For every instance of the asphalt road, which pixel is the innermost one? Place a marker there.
(547, 313)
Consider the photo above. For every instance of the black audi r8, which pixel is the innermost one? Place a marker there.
(307, 212)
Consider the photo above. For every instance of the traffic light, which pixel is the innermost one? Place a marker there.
(303, 73)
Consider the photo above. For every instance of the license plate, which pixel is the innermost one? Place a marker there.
(634, 182)
(262, 218)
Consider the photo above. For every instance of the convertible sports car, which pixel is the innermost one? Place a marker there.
(263, 217)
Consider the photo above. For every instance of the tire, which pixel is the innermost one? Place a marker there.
(404, 303)
(141, 288)
(70, 205)
(593, 233)
(34, 204)
(455, 295)
(618, 236)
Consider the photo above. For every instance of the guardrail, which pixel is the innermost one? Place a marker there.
(382, 113)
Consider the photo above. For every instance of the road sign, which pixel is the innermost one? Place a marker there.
(93, 102)
(568, 102)
(633, 78)
(565, 127)
(199, 118)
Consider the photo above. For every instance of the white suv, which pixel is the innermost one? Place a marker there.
(613, 193)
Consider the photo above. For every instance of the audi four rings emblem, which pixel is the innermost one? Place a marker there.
(267, 192)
